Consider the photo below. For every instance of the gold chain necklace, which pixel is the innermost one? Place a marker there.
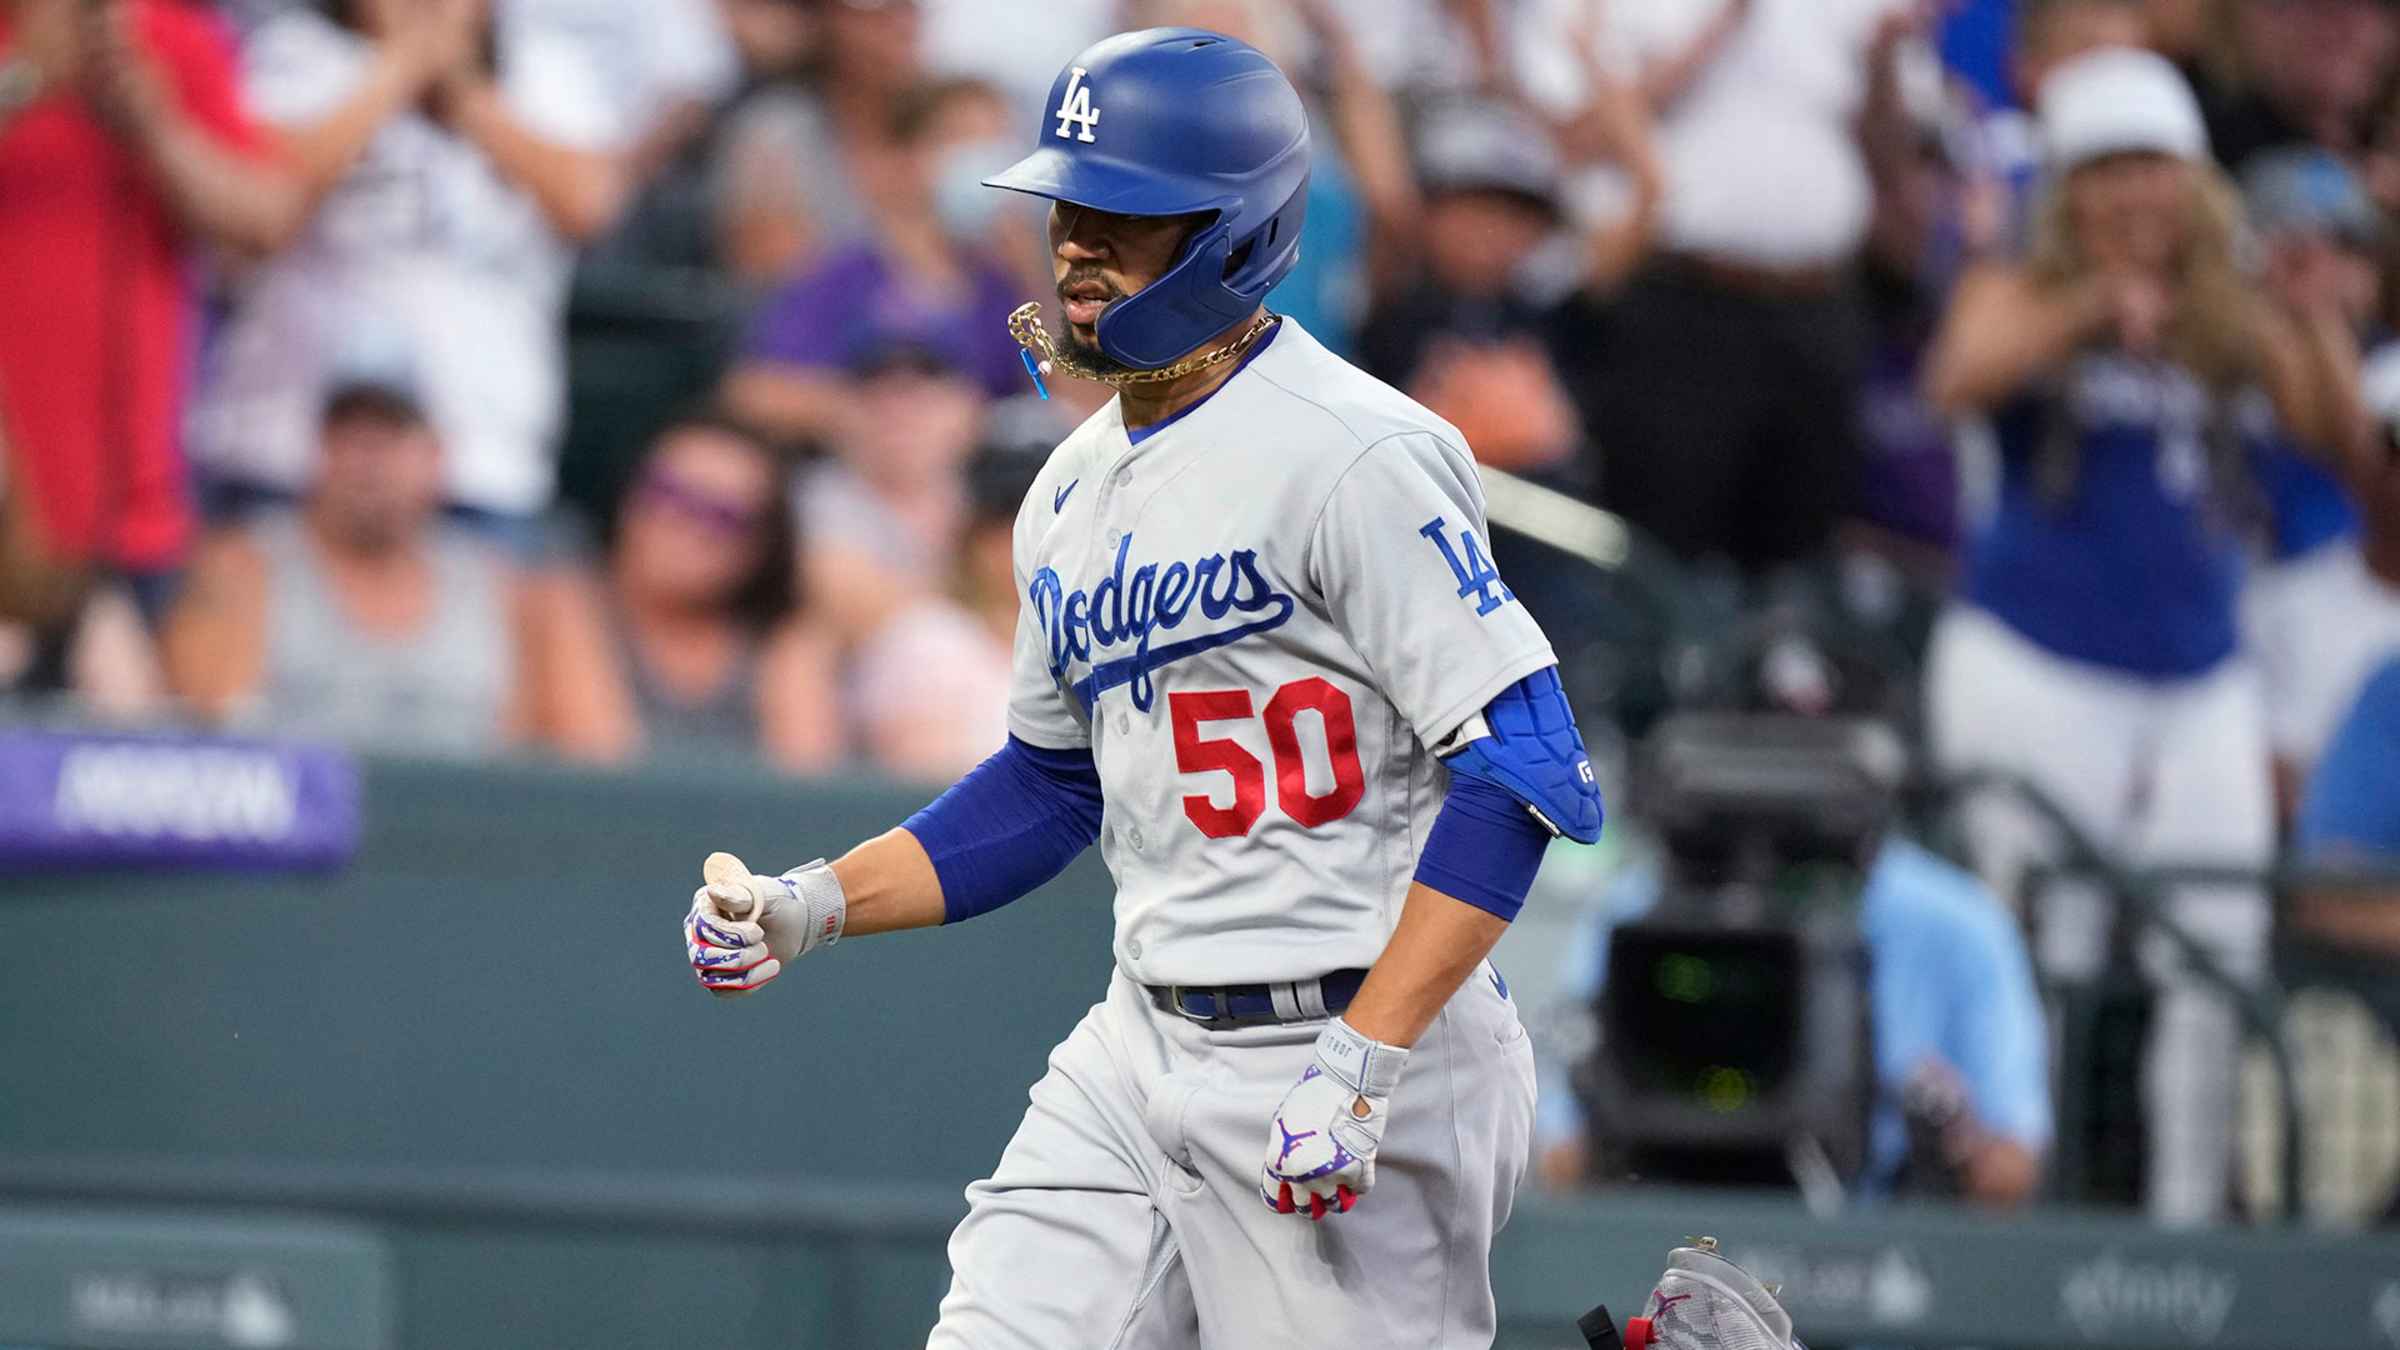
(1025, 325)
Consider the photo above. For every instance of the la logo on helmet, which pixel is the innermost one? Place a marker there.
(1075, 110)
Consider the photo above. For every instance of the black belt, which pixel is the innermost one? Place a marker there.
(1250, 1005)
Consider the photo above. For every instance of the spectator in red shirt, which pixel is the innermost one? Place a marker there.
(123, 149)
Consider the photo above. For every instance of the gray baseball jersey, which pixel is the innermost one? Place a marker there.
(1260, 615)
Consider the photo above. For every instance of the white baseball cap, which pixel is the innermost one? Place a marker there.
(2119, 100)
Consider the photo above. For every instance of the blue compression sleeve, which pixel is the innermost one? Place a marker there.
(1485, 847)
(1015, 821)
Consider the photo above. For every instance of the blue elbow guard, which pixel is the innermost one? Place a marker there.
(1537, 755)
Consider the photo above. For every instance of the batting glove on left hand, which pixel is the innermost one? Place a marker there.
(1321, 1144)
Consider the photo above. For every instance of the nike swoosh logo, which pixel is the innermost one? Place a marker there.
(1059, 502)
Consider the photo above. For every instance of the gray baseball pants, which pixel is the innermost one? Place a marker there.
(1125, 1214)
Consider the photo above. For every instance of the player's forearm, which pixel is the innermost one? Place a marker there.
(1522, 779)
(888, 885)
(1439, 943)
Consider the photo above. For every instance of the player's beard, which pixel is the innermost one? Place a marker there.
(1088, 357)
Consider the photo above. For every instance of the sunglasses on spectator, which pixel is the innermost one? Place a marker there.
(659, 488)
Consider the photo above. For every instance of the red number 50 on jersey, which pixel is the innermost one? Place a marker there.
(1197, 754)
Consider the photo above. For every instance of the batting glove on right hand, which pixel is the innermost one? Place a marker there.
(1321, 1144)
(743, 928)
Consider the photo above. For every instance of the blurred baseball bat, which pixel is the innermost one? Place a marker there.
(1548, 516)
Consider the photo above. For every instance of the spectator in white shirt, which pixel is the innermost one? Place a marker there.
(665, 62)
(1431, 48)
(451, 190)
(1728, 411)
(672, 65)
(994, 43)
(686, 69)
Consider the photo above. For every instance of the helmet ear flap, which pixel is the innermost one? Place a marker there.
(1215, 281)
(1268, 255)
(1159, 323)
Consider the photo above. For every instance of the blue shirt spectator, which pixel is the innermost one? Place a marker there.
(2352, 811)
(1950, 982)
(1975, 42)
(2306, 506)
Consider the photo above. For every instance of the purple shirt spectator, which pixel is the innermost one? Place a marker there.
(855, 300)
(1909, 477)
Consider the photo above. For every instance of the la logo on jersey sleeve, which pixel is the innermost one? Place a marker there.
(1075, 110)
(1475, 573)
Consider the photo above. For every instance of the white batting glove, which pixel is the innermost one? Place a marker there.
(1321, 1144)
(743, 928)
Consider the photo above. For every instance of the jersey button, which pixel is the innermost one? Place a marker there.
(1133, 948)
(1124, 724)
(1124, 478)
(1114, 536)
(1136, 836)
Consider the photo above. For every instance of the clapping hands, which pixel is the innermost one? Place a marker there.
(433, 40)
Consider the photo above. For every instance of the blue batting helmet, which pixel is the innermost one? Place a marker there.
(1168, 122)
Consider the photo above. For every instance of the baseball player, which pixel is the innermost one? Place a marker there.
(1265, 662)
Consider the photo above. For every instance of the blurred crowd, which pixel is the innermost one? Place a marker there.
(2071, 316)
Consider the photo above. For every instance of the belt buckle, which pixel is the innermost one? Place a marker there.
(1175, 994)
